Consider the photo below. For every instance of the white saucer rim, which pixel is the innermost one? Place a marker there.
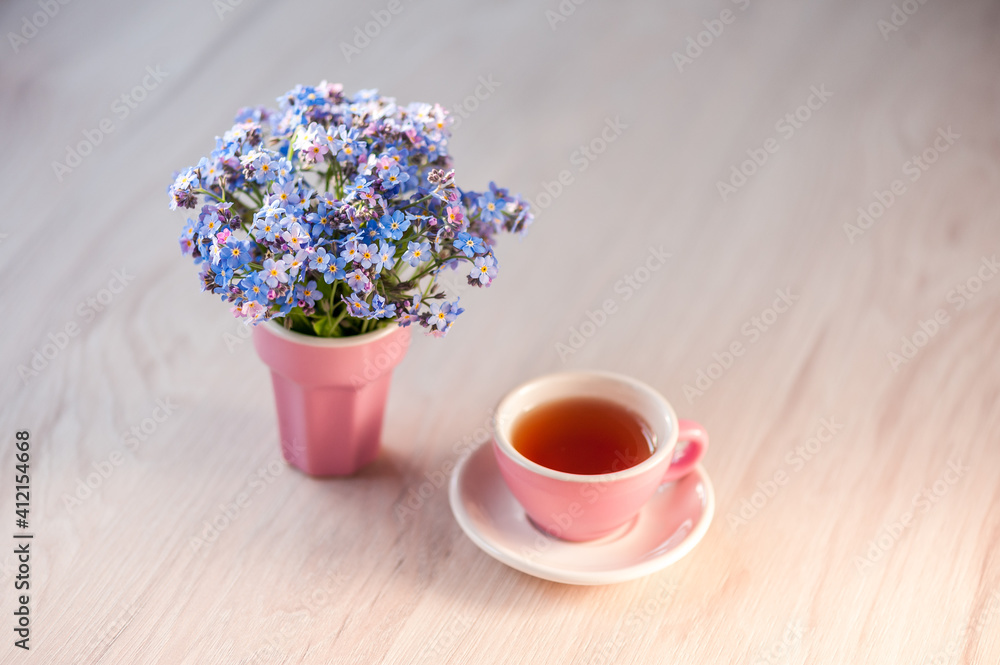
(555, 574)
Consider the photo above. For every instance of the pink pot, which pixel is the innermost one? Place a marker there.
(330, 394)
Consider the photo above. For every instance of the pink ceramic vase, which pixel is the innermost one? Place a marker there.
(330, 394)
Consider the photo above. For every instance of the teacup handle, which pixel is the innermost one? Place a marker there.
(695, 439)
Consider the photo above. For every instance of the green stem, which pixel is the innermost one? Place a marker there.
(339, 178)
(419, 276)
(417, 202)
(428, 289)
(434, 265)
(259, 200)
(333, 292)
(340, 317)
(329, 174)
(212, 194)
(291, 140)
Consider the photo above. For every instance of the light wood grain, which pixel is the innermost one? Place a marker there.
(334, 572)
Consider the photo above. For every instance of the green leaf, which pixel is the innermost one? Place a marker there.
(324, 327)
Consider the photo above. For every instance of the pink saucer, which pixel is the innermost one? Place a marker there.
(667, 528)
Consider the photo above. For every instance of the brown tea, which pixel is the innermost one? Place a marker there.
(583, 435)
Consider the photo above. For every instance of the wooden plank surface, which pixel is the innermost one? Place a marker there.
(877, 545)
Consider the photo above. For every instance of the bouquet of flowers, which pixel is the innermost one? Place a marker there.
(337, 214)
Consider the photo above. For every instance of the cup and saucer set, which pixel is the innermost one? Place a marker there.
(590, 479)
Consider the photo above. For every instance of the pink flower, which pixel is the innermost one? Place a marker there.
(455, 215)
(252, 310)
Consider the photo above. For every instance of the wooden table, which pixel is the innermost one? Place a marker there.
(856, 477)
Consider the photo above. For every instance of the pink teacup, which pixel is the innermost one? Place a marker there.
(579, 507)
